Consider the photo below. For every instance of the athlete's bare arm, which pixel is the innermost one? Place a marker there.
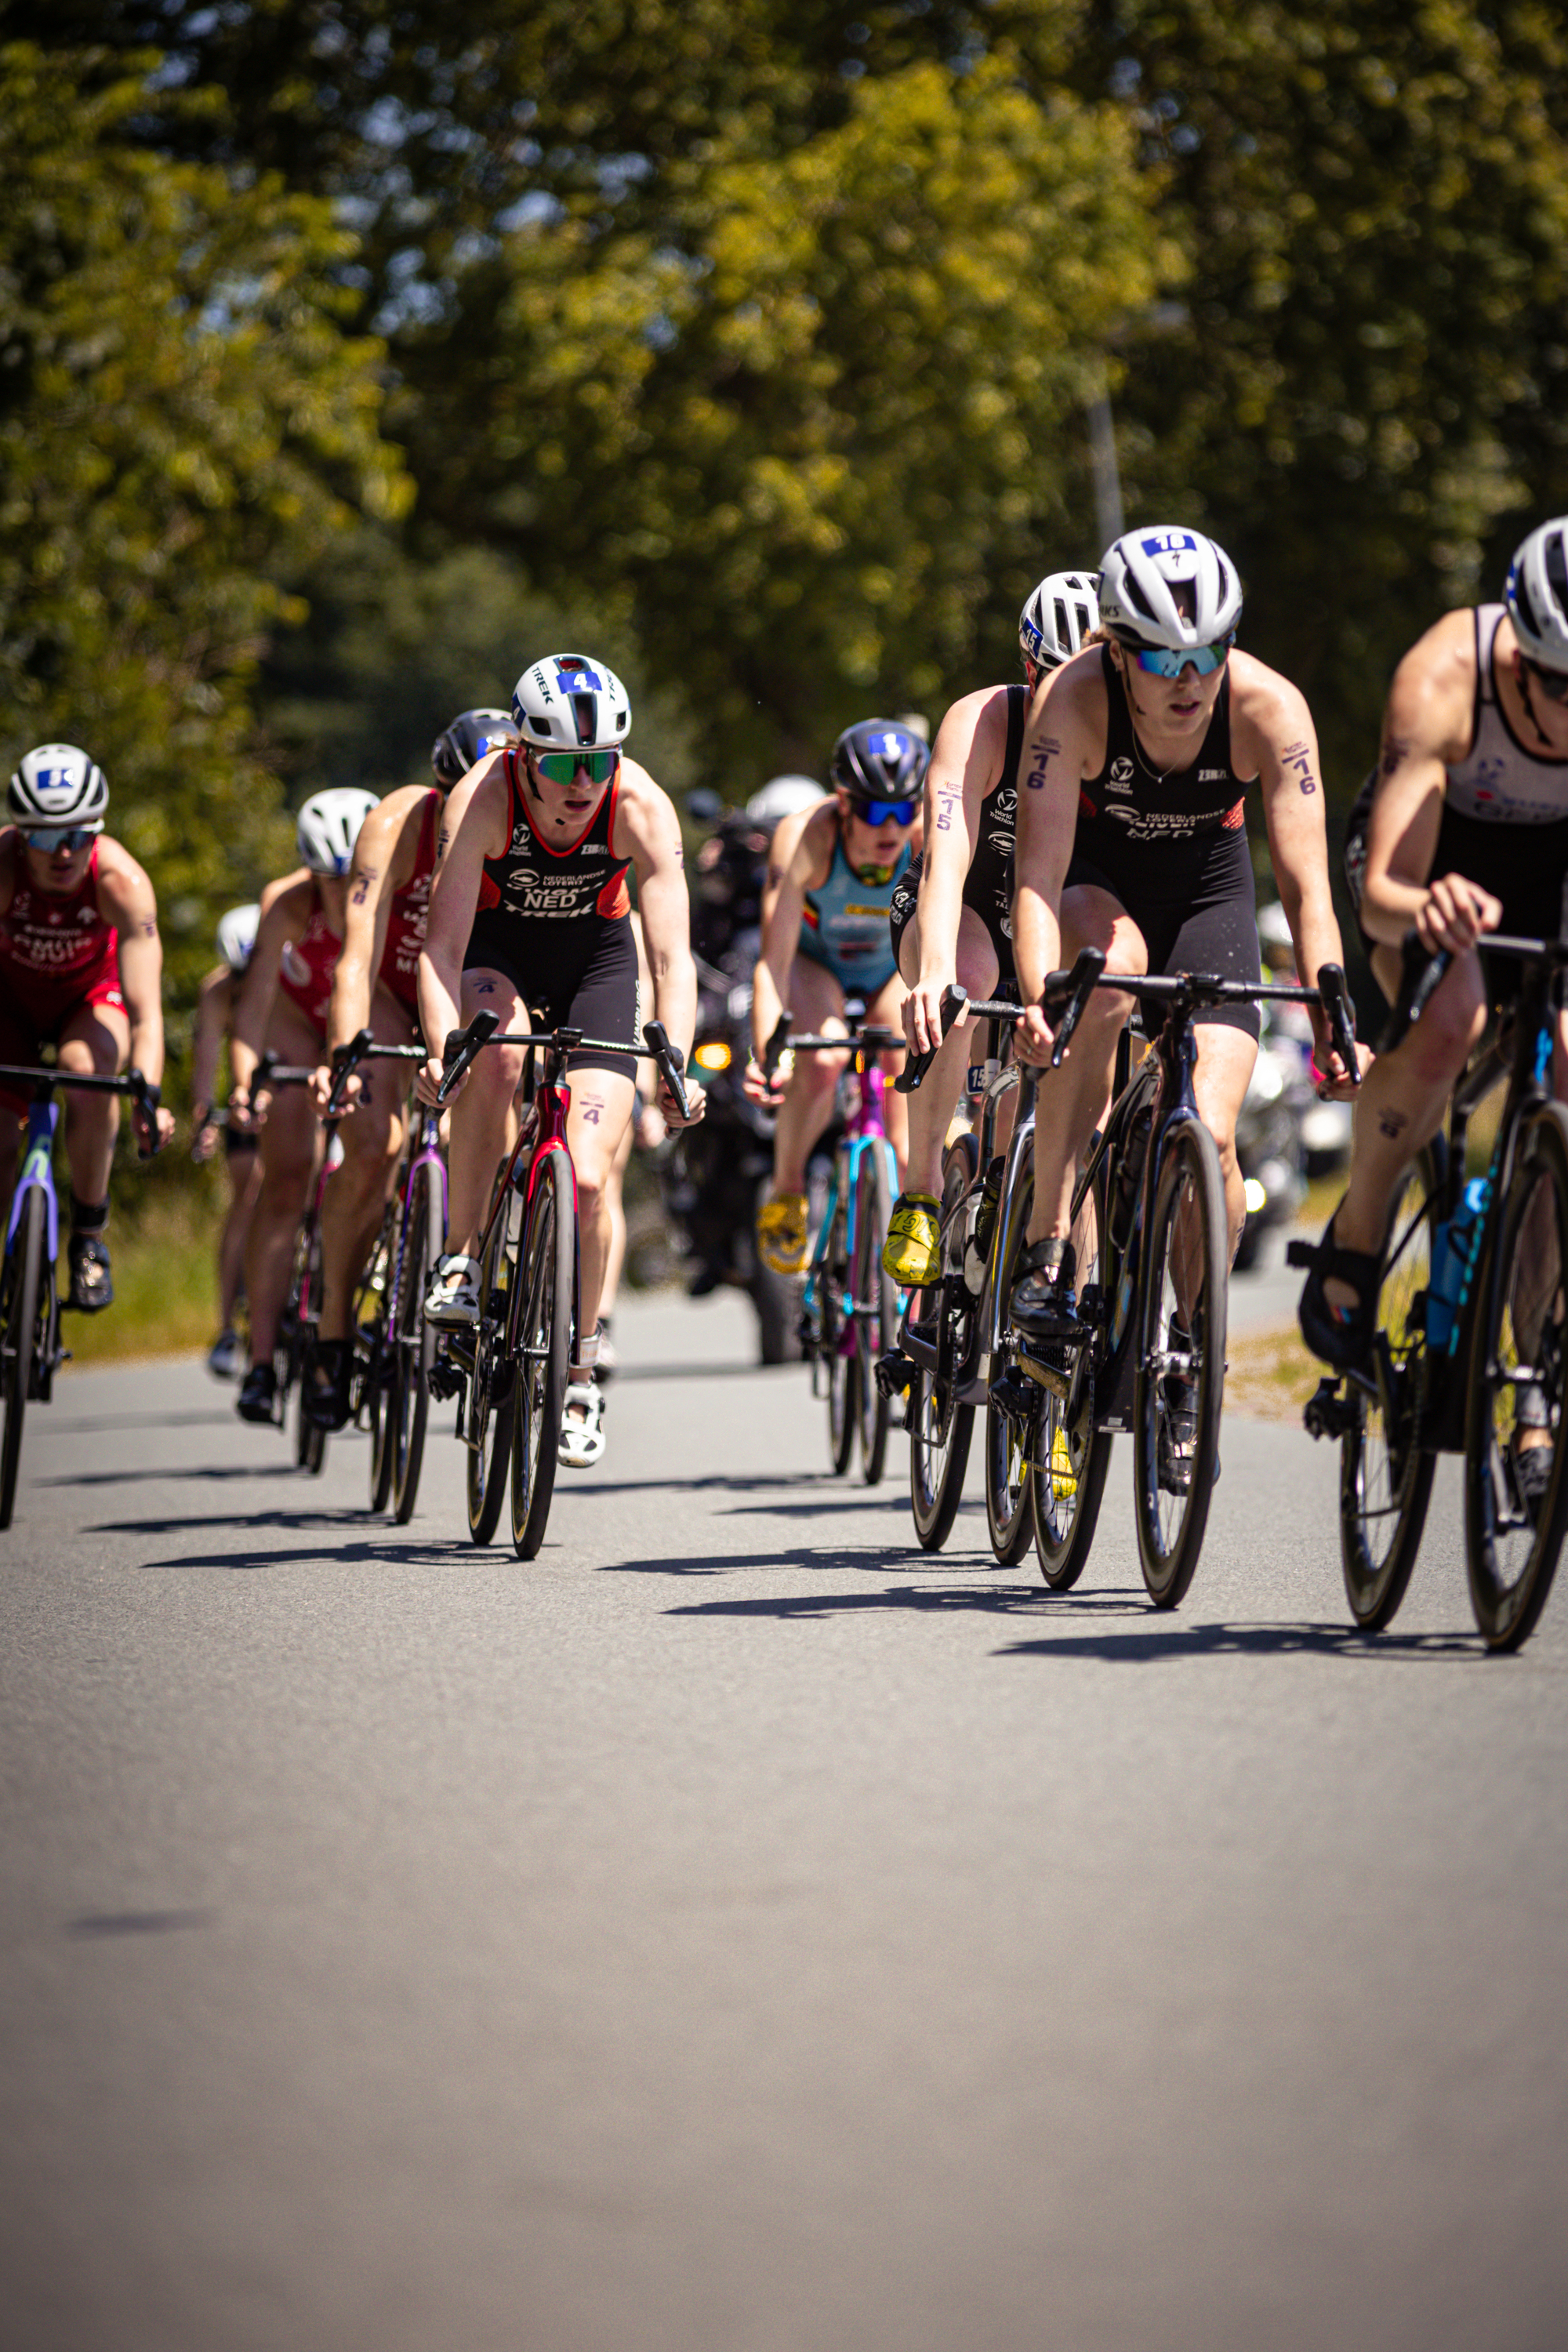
(384, 857)
(126, 899)
(285, 910)
(1064, 741)
(966, 764)
(1425, 727)
(215, 1001)
(800, 859)
(474, 825)
(648, 830)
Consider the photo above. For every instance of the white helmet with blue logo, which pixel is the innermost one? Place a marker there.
(1536, 593)
(1139, 578)
(1060, 612)
(59, 784)
(328, 827)
(236, 936)
(569, 702)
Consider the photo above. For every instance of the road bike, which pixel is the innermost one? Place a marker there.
(1467, 1355)
(509, 1374)
(394, 1346)
(956, 1345)
(30, 1304)
(850, 1307)
(1152, 1245)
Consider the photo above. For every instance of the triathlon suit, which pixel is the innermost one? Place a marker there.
(305, 969)
(410, 913)
(557, 924)
(844, 927)
(1505, 817)
(1172, 849)
(988, 884)
(56, 954)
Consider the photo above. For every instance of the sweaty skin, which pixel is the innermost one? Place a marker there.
(1273, 737)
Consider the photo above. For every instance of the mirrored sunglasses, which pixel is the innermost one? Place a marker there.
(877, 812)
(560, 767)
(1170, 661)
(50, 838)
(1553, 683)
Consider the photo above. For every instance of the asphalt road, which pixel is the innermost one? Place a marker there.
(739, 1932)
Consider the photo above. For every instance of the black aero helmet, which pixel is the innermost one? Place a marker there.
(470, 736)
(880, 761)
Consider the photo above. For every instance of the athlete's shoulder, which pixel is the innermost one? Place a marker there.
(1261, 698)
(973, 717)
(122, 883)
(1432, 698)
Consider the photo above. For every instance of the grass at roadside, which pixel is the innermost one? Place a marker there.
(165, 1287)
(1269, 1375)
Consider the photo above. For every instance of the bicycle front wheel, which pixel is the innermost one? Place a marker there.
(1071, 1456)
(1179, 1384)
(838, 1339)
(1385, 1478)
(1514, 1511)
(414, 1344)
(544, 1352)
(372, 1355)
(876, 1308)
(486, 1422)
(940, 1428)
(1007, 1439)
(26, 1330)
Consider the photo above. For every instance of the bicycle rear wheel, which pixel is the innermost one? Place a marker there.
(1007, 1439)
(25, 1337)
(544, 1351)
(838, 1336)
(1512, 1537)
(1071, 1456)
(487, 1420)
(1179, 1384)
(940, 1428)
(876, 1308)
(414, 1344)
(1385, 1478)
(373, 1353)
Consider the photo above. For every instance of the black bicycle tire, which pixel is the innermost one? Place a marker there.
(1009, 1531)
(310, 1438)
(21, 1333)
(935, 1511)
(556, 1260)
(486, 1420)
(874, 1413)
(1061, 1564)
(1506, 1619)
(376, 1395)
(1375, 1591)
(837, 1280)
(1167, 1576)
(414, 1347)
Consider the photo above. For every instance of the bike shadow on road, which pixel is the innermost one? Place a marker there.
(369, 1551)
(212, 1470)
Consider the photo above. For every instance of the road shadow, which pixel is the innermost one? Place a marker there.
(991, 1600)
(734, 1369)
(1177, 1641)
(102, 1426)
(368, 1551)
(216, 1470)
(99, 1925)
(204, 1521)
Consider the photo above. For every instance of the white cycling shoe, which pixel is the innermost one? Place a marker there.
(452, 1300)
(581, 1440)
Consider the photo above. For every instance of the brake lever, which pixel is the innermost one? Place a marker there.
(1422, 974)
(1339, 1008)
(913, 1076)
(671, 1063)
(1088, 965)
(462, 1047)
(772, 1051)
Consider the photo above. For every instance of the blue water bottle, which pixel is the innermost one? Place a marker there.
(1453, 1247)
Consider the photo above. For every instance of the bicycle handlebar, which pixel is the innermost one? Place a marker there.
(463, 1044)
(143, 1094)
(461, 1047)
(912, 1077)
(671, 1063)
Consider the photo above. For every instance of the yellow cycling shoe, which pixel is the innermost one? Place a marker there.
(911, 1253)
(1064, 1477)
(781, 1232)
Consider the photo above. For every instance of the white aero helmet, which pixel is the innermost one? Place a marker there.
(328, 827)
(569, 702)
(1536, 595)
(782, 796)
(1139, 576)
(59, 784)
(236, 936)
(1274, 927)
(1060, 612)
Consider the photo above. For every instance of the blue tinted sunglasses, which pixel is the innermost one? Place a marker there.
(877, 812)
(47, 838)
(1170, 661)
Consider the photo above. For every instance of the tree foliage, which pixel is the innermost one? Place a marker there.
(179, 408)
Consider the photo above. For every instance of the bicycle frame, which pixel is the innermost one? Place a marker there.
(541, 1131)
(427, 1153)
(37, 1170)
(865, 1132)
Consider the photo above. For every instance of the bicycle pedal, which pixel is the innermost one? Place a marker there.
(1326, 1412)
(1091, 1304)
(894, 1373)
(1014, 1394)
(1301, 1254)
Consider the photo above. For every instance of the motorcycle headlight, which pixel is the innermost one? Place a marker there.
(712, 1054)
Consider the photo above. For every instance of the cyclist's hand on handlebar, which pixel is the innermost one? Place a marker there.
(151, 1133)
(204, 1134)
(920, 1013)
(696, 1103)
(427, 1083)
(1456, 914)
(1032, 1038)
(758, 1088)
(245, 1115)
(1329, 1077)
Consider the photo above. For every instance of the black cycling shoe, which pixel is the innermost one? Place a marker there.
(1340, 1335)
(91, 1289)
(326, 1387)
(1178, 1437)
(259, 1394)
(1533, 1475)
(1043, 1304)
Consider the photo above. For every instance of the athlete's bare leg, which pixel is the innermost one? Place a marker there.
(95, 1041)
(816, 1010)
(596, 1125)
(931, 1106)
(291, 1140)
(372, 1137)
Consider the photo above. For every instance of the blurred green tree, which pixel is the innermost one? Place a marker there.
(180, 413)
